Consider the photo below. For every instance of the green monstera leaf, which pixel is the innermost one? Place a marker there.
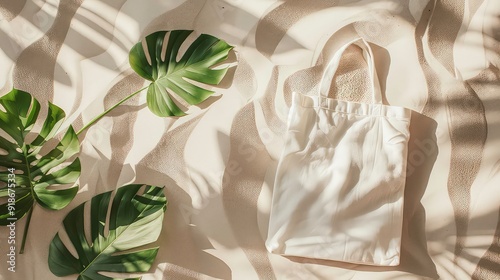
(134, 221)
(34, 171)
(159, 64)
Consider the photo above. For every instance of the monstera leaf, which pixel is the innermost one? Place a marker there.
(134, 221)
(182, 77)
(35, 171)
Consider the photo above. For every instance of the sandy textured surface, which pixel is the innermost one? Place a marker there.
(438, 58)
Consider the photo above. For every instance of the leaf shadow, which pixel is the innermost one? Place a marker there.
(225, 83)
(181, 243)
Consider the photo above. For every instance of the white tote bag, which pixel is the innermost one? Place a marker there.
(339, 187)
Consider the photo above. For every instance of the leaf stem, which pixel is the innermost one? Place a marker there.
(109, 110)
(25, 149)
(26, 228)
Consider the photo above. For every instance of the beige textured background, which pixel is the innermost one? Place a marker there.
(438, 58)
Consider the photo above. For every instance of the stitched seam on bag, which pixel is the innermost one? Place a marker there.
(403, 111)
(363, 115)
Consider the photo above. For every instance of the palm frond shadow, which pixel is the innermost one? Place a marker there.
(10, 9)
(101, 27)
(37, 67)
(183, 243)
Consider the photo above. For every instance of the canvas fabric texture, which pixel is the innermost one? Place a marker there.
(340, 182)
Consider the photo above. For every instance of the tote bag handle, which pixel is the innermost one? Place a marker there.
(331, 69)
